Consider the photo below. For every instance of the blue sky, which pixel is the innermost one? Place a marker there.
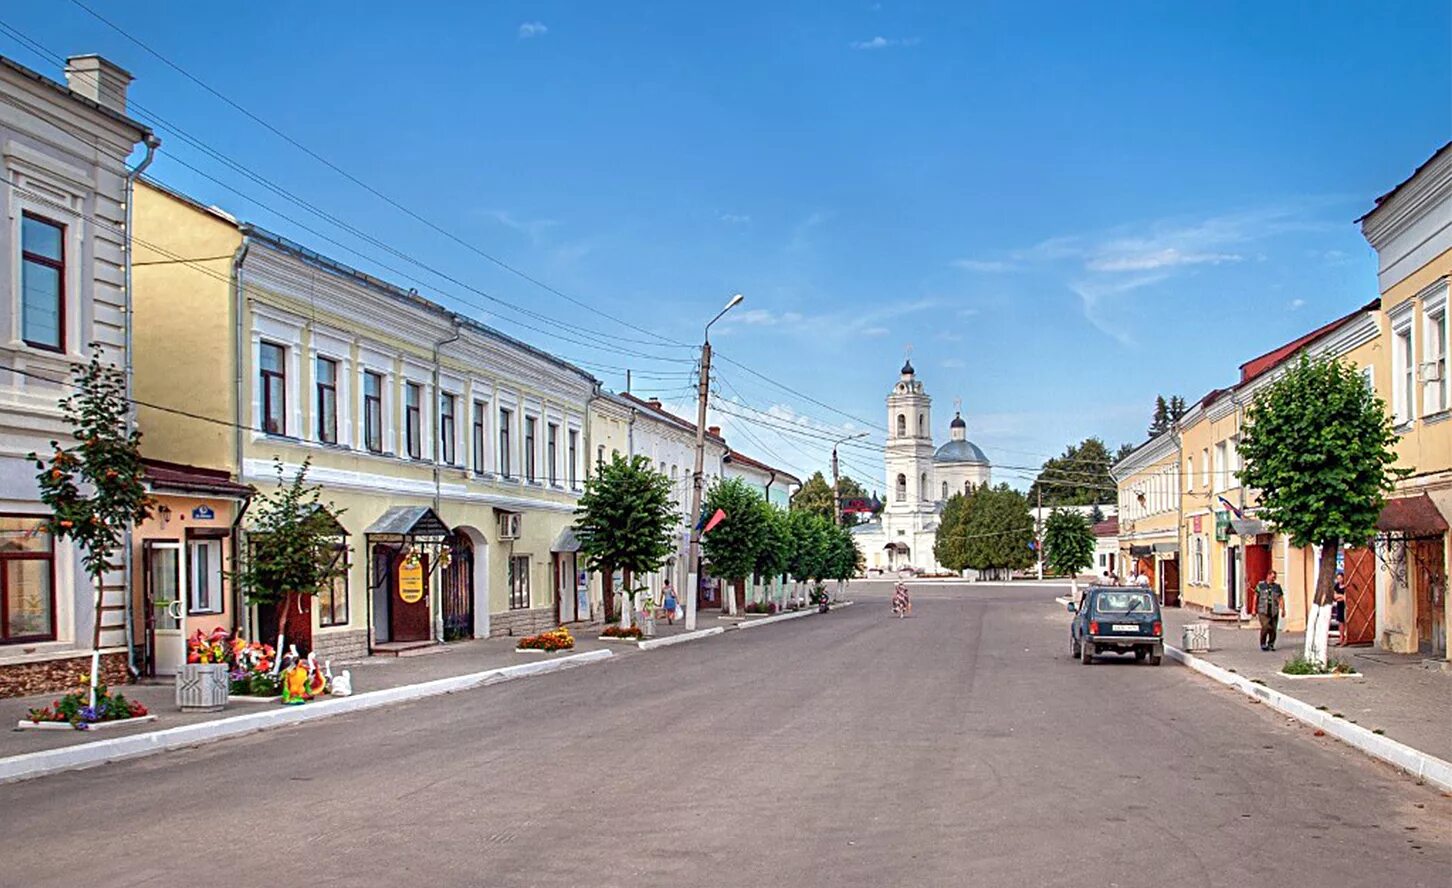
(1063, 208)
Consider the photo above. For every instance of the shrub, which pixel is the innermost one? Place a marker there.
(1299, 665)
(554, 640)
(617, 632)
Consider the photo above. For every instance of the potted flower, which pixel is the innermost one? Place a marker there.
(204, 680)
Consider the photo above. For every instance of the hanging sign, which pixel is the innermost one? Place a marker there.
(411, 582)
(203, 513)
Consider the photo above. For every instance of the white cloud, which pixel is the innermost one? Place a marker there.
(954, 363)
(1148, 261)
(1094, 294)
(762, 317)
(1296, 304)
(947, 336)
(884, 42)
(876, 332)
(532, 29)
(986, 265)
(967, 312)
(533, 228)
(734, 218)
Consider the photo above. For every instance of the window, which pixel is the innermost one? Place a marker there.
(1124, 602)
(161, 561)
(574, 448)
(552, 447)
(204, 567)
(333, 598)
(479, 437)
(1219, 466)
(373, 411)
(1197, 565)
(27, 575)
(529, 448)
(42, 283)
(945, 490)
(271, 360)
(1434, 359)
(922, 426)
(923, 487)
(1368, 374)
(600, 455)
(901, 487)
(901, 425)
(506, 419)
(1189, 473)
(1232, 463)
(446, 428)
(327, 382)
(412, 422)
(1403, 375)
(1205, 468)
(519, 582)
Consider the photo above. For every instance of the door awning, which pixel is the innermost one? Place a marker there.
(1412, 515)
(1136, 551)
(409, 521)
(1166, 548)
(566, 541)
(896, 547)
(1248, 527)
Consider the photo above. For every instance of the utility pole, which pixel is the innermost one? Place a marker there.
(837, 481)
(1039, 533)
(698, 478)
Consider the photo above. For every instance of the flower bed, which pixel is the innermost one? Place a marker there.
(554, 640)
(249, 663)
(74, 709)
(616, 632)
(1300, 667)
(761, 607)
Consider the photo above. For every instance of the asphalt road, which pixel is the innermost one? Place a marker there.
(960, 746)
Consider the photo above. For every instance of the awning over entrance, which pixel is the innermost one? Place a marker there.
(896, 547)
(1415, 516)
(409, 521)
(1248, 527)
(566, 541)
(1166, 548)
(1137, 551)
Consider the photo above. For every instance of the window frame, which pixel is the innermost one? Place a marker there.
(900, 489)
(447, 427)
(519, 592)
(47, 556)
(57, 265)
(574, 455)
(1404, 371)
(552, 452)
(373, 412)
(479, 436)
(265, 377)
(506, 419)
(324, 393)
(219, 597)
(413, 419)
(1435, 330)
(328, 612)
(530, 424)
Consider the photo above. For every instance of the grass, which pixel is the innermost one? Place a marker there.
(1299, 665)
(1377, 731)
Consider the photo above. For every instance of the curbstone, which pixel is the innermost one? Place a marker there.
(653, 643)
(809, 611)
(86, 755)
(1428, 768)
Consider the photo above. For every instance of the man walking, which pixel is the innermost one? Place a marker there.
(1269, 598)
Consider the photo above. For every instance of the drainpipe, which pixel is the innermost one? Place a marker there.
(438, 605)
(152, 142)
(235, 312)
(1239, 486)
(236, 543)
(1180, 538)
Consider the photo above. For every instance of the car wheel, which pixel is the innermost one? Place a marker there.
(1073, 647)
(1086, 653)
(1154, 659)
(1140, 653)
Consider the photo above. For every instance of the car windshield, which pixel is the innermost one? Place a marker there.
(1123, 602)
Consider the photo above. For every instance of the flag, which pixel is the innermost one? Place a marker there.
(1226, 503)
(715, 520)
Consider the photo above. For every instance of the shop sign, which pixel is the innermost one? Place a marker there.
(1222, 526)
(1195, 523)
(203, 513)
(411, 582)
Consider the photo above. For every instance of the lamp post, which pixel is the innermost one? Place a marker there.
(698, 481)
(837, 493)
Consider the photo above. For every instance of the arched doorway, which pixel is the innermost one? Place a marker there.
(458, 587)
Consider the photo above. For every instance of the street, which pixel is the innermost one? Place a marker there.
(960, 746)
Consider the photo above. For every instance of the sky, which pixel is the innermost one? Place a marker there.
(1059, 210)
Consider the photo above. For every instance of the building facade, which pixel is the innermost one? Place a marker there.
(64, 261)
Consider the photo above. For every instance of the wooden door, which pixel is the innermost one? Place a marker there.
(1257, 566)
(1429, 576)
(564, 579)
(408, 599)
(458, 583)
(1170, 578)
(1359, 627)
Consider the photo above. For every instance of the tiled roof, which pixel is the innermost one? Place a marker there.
(1108, 527)
(1272, 359)
(190, 479)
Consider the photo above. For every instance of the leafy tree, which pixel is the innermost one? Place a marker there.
(1068, 544)
(998, 530)
(1080, 477)
(94, 488)
(815, 496)
(734, 545)
(809, 545)
(950, 543)
(292, 545)
(1160, 421)
(774, 555)
(1317, 444)
(626, 521)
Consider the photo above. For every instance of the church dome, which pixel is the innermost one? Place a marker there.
(960, 452)
(907, 368)
(958, 422)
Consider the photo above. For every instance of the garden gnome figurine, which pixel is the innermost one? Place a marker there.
(294, 683)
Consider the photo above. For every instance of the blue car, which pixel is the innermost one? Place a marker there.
(1118, 619)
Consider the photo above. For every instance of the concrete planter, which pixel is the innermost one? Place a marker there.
(203, 687)
(28, 725)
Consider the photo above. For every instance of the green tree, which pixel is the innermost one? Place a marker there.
(1160, 420)
(734, 545)
(814, 496)
(626, 521)
(1317, 444)
(809, 539)
(998, 530)
(94, 488)
(1079, 477)
(774, 555)
(950, 543)
(1068, 544)
(293, 546)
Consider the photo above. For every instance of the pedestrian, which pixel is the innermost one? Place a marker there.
(669, 605)
(1269, 599)
(1338, 607)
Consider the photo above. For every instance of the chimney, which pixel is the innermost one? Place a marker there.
(99, 80)
(654, 403)
(714, 430)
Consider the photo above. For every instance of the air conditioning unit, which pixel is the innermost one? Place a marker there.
(1431, 371)
(510, 525)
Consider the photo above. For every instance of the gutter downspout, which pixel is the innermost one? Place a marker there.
(239, 604)
(1181, 539)
(128, 606)
(235, 312)
(1240, 487)
(438, 605)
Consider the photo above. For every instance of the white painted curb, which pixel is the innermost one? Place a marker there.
(1428, 768)
(87, 755)
(808, 611)
(653, 643)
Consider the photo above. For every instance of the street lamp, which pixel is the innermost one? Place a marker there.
(693, 563)
(836, 492)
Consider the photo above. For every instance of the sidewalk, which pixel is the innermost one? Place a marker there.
(1396, 694)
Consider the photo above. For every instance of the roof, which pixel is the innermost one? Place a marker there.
(781, 474)
(668, 416)
(1274, 358)
(59, 87)
(960, 452)
(565, 540)
(1403, 183)
(1109, 527)
(907, 368)
(1412, 515)
(958, 422)
(408, 521)
(190, 479)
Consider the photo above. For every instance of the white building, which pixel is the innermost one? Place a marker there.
(64, 267)
(919, 479)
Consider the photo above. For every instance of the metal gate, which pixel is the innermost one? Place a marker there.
(459, 589)
(1359, 626)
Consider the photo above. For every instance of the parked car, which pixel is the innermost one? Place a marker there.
(1122, 619)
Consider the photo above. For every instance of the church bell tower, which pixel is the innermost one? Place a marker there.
(909, 454)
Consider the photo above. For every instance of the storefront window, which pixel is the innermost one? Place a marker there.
(27, 572)
(204, 567)
(333, 599)
(519, 582)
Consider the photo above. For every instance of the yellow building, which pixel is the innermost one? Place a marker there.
(1149, 515)
(453, 455)
(1411, 230)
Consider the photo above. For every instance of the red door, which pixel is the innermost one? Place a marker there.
(1170, 578)
(1360, 624)
(1257, 565)
(408, 600)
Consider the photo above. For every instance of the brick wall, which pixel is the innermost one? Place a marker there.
(341, 646)
(63, 674)
(521, 622)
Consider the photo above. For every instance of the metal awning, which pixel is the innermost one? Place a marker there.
(1248, 527)
(1415, 516)
(1166, 548)
(409, 521)
(1136, 551)
(566, 541)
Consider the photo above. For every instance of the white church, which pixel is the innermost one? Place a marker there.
(919, 480)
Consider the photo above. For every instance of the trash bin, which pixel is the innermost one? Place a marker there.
(1196, 638)
(203, 687)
